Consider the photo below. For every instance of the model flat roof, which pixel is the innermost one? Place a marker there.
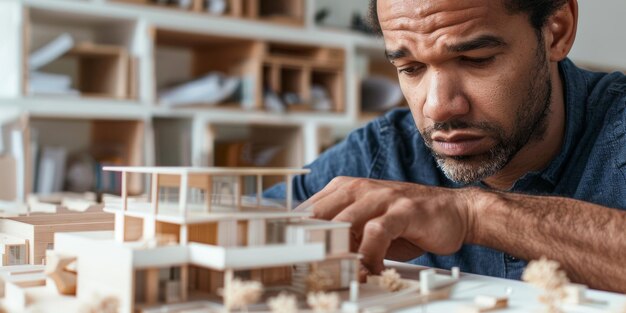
(64, 219)
(207, 170)
(194, 217)
(320, 224)
(8, 239)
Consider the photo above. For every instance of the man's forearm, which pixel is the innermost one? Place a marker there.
(587, 239)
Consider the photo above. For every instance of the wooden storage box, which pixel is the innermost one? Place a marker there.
(103, 142)
(190, 56)
(98, 63)
(293, 69)
(103, 70)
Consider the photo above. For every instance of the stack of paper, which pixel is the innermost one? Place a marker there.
(46, 83)
(210, 89)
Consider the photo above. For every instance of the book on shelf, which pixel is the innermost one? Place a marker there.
(51, 170)
(17, 146)
(106, 181)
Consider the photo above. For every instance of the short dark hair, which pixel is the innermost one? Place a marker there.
(538, 11)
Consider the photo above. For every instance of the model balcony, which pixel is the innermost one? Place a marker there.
(236, 258)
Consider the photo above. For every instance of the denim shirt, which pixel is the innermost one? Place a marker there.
(591, 165)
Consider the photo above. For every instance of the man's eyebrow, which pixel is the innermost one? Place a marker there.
(485, 41)
(393, 55)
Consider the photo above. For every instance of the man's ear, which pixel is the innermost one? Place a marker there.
(560, 31)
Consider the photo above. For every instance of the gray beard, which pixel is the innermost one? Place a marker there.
(531, 125)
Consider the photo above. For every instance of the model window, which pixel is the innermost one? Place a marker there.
(17, 255)
(275, 231)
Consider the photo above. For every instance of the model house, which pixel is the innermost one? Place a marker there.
(25, 239)
(196, 233)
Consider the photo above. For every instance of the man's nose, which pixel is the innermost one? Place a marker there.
(444, 99)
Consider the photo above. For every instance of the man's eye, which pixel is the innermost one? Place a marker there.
(410, 70)
(478, 61)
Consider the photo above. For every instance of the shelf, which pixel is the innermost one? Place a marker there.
(184, 57)
(290, 12)
(125, 52)
(78, 55)
(250, 145)
(75, 107)
(68, 154)
(172, 140)
(300, 76)
(306, 78)
(203, 23)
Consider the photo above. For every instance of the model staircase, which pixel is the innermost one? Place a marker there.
(299, 278)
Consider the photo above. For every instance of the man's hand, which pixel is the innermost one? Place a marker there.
(396, 220)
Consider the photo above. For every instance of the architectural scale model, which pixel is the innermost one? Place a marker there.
(25, 239)
(196, 242)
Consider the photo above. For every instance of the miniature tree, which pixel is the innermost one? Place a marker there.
(545, 274)
(391, 280)
(322, 302)
(318, 280)
(108, 304)
(239, 294)
(283, 303)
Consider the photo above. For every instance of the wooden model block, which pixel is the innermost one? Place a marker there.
(575, 294)
(487, 304)
(57, 270)
(431, 282)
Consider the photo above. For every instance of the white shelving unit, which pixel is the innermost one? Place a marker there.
(27, 24)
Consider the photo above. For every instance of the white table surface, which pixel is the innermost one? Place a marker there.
(524, 297)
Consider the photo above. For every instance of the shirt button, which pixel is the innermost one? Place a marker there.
(510, 258)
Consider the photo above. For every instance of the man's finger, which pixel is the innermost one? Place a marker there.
(378, 234)
(328, 207)
(403, 250)
(328, 189)
(361, 211)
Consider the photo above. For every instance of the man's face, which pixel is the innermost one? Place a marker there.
(476, 79)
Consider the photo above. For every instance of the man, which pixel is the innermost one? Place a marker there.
(509, 151)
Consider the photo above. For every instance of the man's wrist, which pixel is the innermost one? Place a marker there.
(478, 203)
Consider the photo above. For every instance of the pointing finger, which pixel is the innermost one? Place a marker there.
(378, 234)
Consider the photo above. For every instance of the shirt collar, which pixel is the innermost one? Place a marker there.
(575, 94)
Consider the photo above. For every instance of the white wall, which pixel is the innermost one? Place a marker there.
(342, 10)
(601, 39)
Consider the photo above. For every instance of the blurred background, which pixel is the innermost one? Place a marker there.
(264, 83)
